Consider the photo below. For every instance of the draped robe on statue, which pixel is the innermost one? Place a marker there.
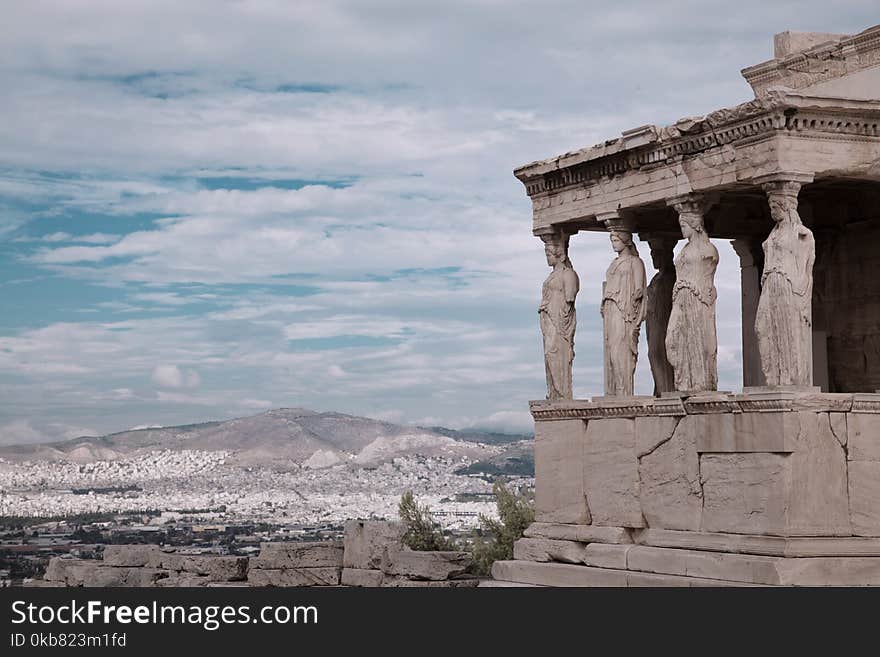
(784, 318)
(623, 310)
(558, 321)
(691, 340)
(659, 296)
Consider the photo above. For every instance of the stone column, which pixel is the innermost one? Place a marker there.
(691, 337)
(557, 315)
(659, 300)
(783, 321)
(751, 263)
(623, 307)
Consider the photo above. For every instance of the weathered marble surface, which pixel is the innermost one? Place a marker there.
(623, 311)
(637, 565)
(611, 473)
(299, 554)
(578, 533)
(604, 555)
(548, 549)
(294, 576)
(372, 548)
(558, 318)
(784, 319)
(363, 577)
(571, 575)
(559, 481)
(751, 262)
(775, 546)
(659, 307)
(425, 565)
(771, 463)
(669, 475)
(366, 542)
(776, 486)
(826, 64)
(691, 342)
(715, 152)
(819, 500)
(863, 454)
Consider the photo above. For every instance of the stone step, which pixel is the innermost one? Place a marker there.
(569, 575)
(496, 584)
(579, 533)
(611, 565)
(771, 546)
(776, 546)
(549, 549)
(755, 569)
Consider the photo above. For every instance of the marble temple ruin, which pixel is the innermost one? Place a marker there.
(778, 483)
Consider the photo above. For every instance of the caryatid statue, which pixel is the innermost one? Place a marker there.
(784, 318)
(659, 295)
(623, 311)
(557, 315)
(691, 339)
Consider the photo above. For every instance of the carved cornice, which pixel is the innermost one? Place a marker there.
(616, 221)
(704, 403)
(669, 406)
(823, 62)
(545, 231)
(757, 405)
(607, 407)
(778, 113)
(866, 403)
(783, 183)
(697, 406)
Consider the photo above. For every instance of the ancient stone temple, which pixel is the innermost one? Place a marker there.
(776, 483)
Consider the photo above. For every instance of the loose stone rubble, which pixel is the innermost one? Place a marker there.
(371, 554)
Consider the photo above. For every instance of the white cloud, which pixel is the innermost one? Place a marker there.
(425, 137)
(390, 415)
(94, 238)
(56, 237)
(506, 421)
(255, 403)
(171, 376)
(117, 394)
(20, 432)
(161, 298)
(186, 399)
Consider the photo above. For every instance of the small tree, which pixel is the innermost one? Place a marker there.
(422, 533)
(516, 511)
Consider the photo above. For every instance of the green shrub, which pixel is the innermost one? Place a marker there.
(422, 533)
(516, 511)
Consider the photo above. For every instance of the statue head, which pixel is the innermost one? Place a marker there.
(782, 207)
(662, 252)
(691, 224)
(556, 248)
(622, 241)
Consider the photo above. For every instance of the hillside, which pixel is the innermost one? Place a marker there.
(278, 438)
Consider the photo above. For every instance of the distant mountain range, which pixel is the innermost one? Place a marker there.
(279, 437)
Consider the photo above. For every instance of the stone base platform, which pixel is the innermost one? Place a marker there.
(771, 487)
(579, 555)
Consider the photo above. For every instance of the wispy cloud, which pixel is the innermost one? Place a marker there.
(311, 203)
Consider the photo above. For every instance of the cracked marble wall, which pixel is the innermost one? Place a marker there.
(782, 473)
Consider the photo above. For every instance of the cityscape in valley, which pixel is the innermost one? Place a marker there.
(226, 486)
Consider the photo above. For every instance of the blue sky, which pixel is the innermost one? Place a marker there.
(209, 209)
